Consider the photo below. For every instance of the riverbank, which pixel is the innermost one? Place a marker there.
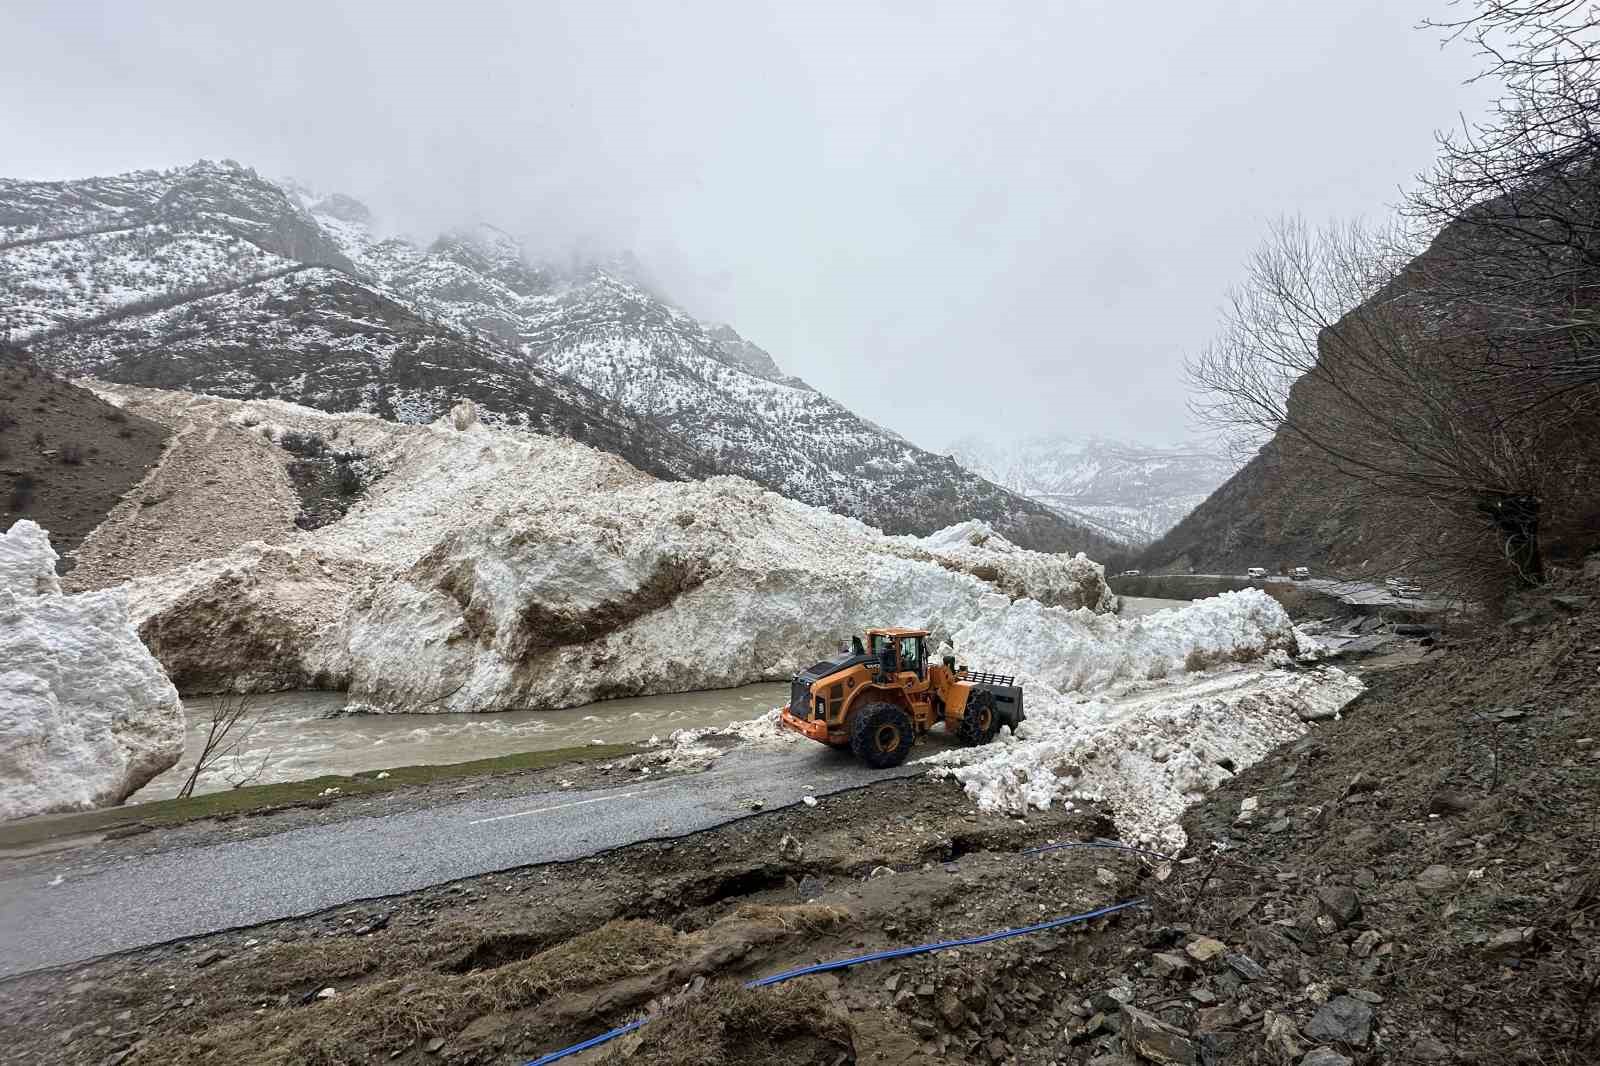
(290, 736)
(31, 836)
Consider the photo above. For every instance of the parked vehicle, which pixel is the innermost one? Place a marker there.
(1256, 572)
(1130, 573)
(1300, 573)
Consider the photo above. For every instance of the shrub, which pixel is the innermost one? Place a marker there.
(116, 414)
(346, 479)
(7, 419)
(72, 453)
(21, 492)
(305, 445)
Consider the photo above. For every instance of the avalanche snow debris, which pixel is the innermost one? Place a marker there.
(86, 713)
(1148, 750)
(491, 568)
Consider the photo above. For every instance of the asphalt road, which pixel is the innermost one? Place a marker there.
(1355, 593)
(137, 902)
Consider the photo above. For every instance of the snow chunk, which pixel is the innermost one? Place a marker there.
(975, 548)
(87, 715)
(27, 561)
(1149, 750)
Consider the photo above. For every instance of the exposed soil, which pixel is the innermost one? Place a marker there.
(501, 968)
(218, 486)
(66, 456)
(1416, 882)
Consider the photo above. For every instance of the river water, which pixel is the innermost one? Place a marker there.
(306, 734)
(1136, 606)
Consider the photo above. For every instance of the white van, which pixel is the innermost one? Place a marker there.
(1256, 572)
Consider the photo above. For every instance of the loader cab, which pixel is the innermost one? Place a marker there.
(900, 649)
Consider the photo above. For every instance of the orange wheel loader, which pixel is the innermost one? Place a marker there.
(878, 697)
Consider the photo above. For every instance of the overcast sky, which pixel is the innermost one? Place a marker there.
(952, 217)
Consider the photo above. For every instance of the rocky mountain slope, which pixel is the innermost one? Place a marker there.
(66, 456)
(212, 278)
(1131, 493)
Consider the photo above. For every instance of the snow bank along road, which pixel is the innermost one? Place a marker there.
(191, 891)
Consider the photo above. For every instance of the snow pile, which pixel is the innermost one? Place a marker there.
(617, 586)
(86, 713)
(27, 562)
(1080, 650)
(1148, 751)
(492, 569)
(975, 548)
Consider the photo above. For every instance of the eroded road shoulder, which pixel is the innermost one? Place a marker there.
(505, 966)
(53, 918)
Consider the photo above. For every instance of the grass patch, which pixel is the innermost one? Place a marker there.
(385, 1017)
(812, 917)
(616, 950)
(163, 813)
(730, 1024)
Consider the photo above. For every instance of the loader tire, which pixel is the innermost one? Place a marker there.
(980, 723)
(881, 735)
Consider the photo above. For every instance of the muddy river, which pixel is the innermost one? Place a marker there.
(306, 734)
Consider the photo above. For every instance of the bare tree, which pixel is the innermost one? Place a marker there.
(227, 736)
(1522, 191)
(1347, 350)
(1451, 385)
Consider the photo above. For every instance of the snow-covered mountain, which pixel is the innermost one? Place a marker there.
(210, 277)
(1130, 493)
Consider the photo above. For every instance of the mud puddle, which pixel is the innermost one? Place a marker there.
(298, 735)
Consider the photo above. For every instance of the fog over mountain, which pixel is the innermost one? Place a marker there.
(948, 217)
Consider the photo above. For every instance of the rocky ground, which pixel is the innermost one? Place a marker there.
(1412, 883)
(66, 456)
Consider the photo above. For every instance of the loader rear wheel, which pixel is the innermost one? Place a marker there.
(980, 723)
(881, 735)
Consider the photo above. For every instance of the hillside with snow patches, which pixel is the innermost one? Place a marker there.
(211, 278)
(1129, 493)
(490, 569)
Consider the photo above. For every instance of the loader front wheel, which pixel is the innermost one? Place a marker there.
(881, 735)
(980, 722)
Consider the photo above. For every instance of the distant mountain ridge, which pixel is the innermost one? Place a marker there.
(210, 277)
(1130, 493)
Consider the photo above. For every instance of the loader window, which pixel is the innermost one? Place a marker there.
(911, 654)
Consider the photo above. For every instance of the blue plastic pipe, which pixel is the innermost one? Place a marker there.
(876, 956)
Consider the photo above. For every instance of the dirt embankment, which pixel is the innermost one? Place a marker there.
(217, 486)
(66, 456)
(501, 968)
(1414, 883)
